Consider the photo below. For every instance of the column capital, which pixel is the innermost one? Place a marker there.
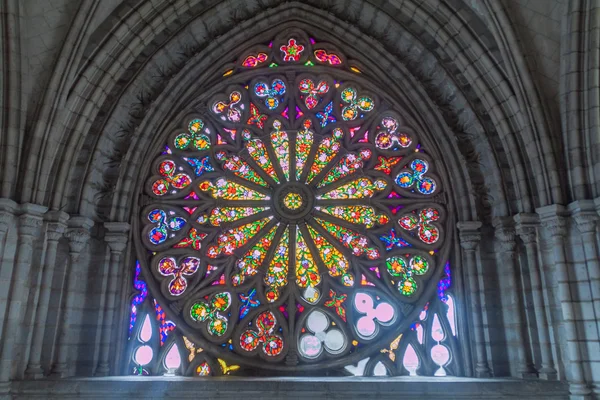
(584, 214)
(8, 205)
(586, 222)
(31, 217)
(469, 234)
(78, 233)
(56, 224)
(504, 230)
(117, 235)
(6, 218)
(29, 225)
(553, 219)
(597, 204)
(526, 225)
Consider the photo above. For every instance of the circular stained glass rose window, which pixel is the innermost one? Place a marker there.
(294, 223)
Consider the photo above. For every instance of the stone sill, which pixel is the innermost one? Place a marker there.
(288, 388)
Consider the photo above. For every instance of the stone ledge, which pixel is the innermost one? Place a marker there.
(225, 388)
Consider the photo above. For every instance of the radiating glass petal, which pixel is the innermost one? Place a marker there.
(229, 190)
(304, 141)
(281, 146)
(222, 215)
(357, 243)
(248, 265)
(348, 165)
(258, 151)
(357, 189)
(307, 272)
(333, 259)
(327, 150)
(236, 237)
(276, 276)
(361, 215)
(241, 168)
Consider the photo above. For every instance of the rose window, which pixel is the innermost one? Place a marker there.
(296, 221)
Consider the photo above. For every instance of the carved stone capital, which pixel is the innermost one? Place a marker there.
(78, 239)
(6, 219)
(29, 225)
(526, 225)
(553, 219)
(78, 234)
(527, 234)
(8, 205)
(505, 233)
(116, 243)
(557, 226)
(117, 235)
(469, 234)
(586, 221)
(55, 231)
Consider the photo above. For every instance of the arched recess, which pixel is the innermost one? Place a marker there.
(147, 70)
(135, 63)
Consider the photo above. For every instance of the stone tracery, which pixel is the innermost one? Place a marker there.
(295, 173)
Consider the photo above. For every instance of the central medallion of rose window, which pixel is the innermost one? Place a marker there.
(293, 201)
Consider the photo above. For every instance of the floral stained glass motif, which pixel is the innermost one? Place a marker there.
(230, 190)
(356, 104)
(194, 139)
(292, 51)
(312, 92)
(416, 176)
(212, 313)
(252, 61)
(428, 233)
(169, 267)
(327, 150)
(361, 188)
(296, 233)
(304, 141)
(170, 178)
(229, 110)
(258, 151)
(329, 58)
(221, 215)
(271, 93)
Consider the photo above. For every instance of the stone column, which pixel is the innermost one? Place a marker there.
(30, 222)
(469, 240)
(7, 210)
(78, 235)
(507, 265)
(554, 221)
(526, 229)
(55, 227)
(116, 238)
(586, 218)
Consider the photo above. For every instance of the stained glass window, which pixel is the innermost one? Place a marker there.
(297, 223)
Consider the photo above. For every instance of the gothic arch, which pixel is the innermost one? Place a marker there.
(486, 122)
